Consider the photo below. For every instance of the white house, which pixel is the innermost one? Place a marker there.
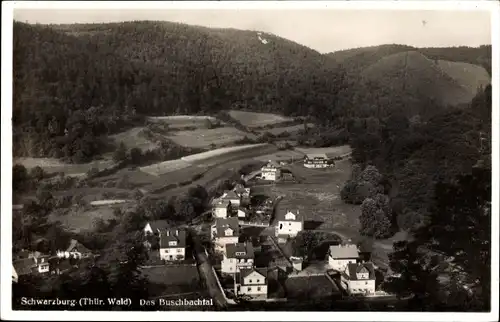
(42, 263)
(271, 171)
(318, 160)
(252, 282)
(172, 244)
(339, 256)
(225, 231)
(221, 209)
(75, 250)
(154, 227)
(358, 278)
(236, 257)
(232, 197)
(289, 225)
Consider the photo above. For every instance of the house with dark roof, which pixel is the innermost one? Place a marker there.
(75, 250)
(289, 225)
(173, 244)
(221, 208)
(339, 256)
(225, 231)
(236, 257)
(358, 278)
(252, 282)
(154, 227)
(271, 171)
(232, 197)
(318, 160)
(242, 192)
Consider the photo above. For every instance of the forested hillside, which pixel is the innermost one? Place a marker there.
(75, 83)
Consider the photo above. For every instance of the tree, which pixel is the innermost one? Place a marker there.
(37, 174)
(120, 154)
(376, 217)
(20, 177)
(135, 156)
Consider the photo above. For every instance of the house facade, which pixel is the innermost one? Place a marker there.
(339, 256)
(358, 278)
(236, 257)
(172, 244)
(225, 231)
(253, 283)
(320, 160)
(289, 225)
(271, 171)
(74, 250)
(221, 209)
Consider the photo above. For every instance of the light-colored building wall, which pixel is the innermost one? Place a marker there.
(271, 174)
(233, 265)
(340, 264)
(253, 290)
(221, 242)
(220, 212)
(358, 286)
(172, 254)
(291, 228)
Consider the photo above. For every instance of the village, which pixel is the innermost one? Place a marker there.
(246, 245)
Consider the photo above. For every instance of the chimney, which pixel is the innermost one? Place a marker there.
(168, 232)
(176, 232)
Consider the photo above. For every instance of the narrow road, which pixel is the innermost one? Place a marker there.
(206, 273)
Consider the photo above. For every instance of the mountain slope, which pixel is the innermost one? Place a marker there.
(411, 72)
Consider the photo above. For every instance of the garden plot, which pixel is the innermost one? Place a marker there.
(165, 167)
(134, 138)
(51, 165)
(289, 129)
(336, 151)
(281, 156)
(183, 121)
(227, 154)
(206, 138)
(311, 287)
(171, 280)
(252, 119)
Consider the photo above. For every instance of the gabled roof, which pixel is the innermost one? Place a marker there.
(221, 224)
(244, 272)
(222, 204)
(272, 164)
(233, 249)
(158, 224)
(24, 266)
(79, 247)
(229, 195)
(344, 251)
(169, 235)
(281, 216)
(312, 156)
(352, 269)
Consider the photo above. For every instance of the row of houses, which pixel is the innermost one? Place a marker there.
(35, 262)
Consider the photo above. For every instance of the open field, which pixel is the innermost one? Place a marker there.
(51, 165)
(183, 121)
(165, 167)
(317, 287)
(290, 129)
(330, 151)
(281, 156)
(172, 279)
(134, 138)
(317, 198)
(79, 220)
(221, 155)
(252, 119)
(205, 138)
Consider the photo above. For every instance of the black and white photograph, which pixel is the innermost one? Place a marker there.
(278, 160)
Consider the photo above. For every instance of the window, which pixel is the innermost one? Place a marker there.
(249, 289)
(166, 251)
(250, 281)
(258, 281)
(289, 224)
(179, 250)
(172, 243)
(366, 283)
(258, 288)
